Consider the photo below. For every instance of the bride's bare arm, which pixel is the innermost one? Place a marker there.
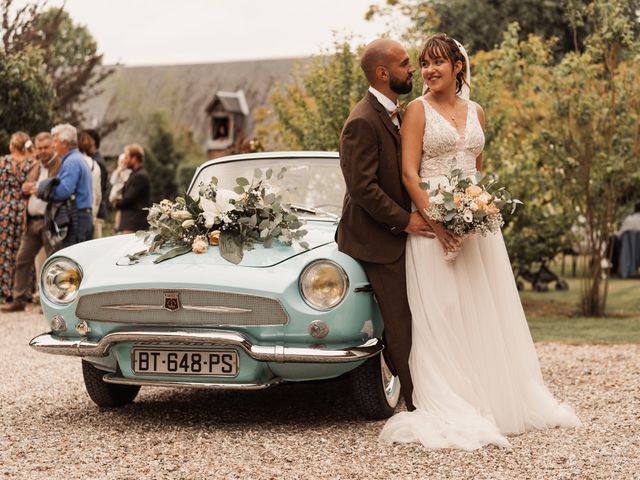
(481, 118)
(412, 132)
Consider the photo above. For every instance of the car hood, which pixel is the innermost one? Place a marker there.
(318, 235)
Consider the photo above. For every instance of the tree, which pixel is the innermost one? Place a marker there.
(162, 158)
(69, 53)
(592, 134)
(27, 97)
(480, 24)
(311, 110)
(510, 82)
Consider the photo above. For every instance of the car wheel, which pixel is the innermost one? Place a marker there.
(376, 390)
(105, 394)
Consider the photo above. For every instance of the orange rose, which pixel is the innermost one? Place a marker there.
(199, 245)
(214, 237)
(473, 190)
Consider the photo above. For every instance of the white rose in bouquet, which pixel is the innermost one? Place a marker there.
(437, 199)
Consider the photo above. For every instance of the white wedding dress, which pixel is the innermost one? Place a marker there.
(475, 370)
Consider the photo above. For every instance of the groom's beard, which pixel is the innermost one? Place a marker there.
(400, 87)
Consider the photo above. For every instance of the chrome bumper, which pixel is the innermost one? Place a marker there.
(84, 347)
(120, 380)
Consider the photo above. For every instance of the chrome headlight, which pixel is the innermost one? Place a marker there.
(61, 280)
(323, 284)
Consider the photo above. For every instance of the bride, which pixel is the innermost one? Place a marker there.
(474, 366)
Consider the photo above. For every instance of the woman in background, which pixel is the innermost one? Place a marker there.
(13, 173)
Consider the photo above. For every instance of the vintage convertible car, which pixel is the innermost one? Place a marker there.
(283, 314)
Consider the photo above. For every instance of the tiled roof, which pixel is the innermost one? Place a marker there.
(182, 93)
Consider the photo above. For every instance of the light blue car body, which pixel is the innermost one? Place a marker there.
(264, 272)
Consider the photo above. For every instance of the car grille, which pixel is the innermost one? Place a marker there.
(181, 307)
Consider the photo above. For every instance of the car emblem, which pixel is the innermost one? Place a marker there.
(171, 301)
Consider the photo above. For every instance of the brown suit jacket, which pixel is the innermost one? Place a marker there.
(376, 205)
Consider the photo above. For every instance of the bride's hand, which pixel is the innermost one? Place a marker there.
(449, 241)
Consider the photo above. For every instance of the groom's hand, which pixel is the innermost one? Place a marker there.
(418, 226)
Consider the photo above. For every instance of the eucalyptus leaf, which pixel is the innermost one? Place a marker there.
(424, 186)
(243, 182)
(231, 247)
(269, 173)
(238, 190)
(257, 173)
(174, 252)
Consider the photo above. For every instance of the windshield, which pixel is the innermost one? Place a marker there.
(308, 182)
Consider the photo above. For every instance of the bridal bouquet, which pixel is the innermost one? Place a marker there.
(233, 220)
(467, 205)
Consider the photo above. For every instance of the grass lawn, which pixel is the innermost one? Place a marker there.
(553, 316)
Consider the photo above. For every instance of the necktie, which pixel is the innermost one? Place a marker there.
(397, 114)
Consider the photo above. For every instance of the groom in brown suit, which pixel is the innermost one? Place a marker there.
(375, 215)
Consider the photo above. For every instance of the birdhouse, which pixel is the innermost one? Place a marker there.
(228, 115)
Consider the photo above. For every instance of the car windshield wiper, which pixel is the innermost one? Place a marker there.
(312, 210)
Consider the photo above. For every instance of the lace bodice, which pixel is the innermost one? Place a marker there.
(444, 149)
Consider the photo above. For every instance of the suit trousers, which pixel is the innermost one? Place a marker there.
(33, 239)
(389, 284)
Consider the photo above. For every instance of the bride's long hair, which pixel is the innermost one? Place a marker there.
(442, 45)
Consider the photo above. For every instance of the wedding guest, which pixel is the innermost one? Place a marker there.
(628, 238)
(85, 145)
(33, 239)
(73, 183)
(93, 150)
(13, 173)
(118, 178)
(631, 222)
(136, 194)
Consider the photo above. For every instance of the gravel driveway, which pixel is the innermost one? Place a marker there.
(49, 429)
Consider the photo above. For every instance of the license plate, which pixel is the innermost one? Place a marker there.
(210, 363)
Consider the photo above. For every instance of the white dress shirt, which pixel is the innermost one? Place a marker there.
(387, 103)
(35, 206)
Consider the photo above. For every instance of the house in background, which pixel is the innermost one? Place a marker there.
(194, 98)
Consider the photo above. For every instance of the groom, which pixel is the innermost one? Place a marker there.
(375, 214)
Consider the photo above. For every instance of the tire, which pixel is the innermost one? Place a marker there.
(106, 395)
(375, 390)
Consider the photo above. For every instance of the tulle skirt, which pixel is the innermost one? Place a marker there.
(474, 366)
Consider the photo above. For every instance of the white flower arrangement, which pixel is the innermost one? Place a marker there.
(467, 205)
(232, 220)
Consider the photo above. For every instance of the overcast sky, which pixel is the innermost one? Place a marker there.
(150, 32)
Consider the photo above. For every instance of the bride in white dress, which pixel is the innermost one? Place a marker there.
(475, 370)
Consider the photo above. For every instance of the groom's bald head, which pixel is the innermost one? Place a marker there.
(387, 66)
(378, 53)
